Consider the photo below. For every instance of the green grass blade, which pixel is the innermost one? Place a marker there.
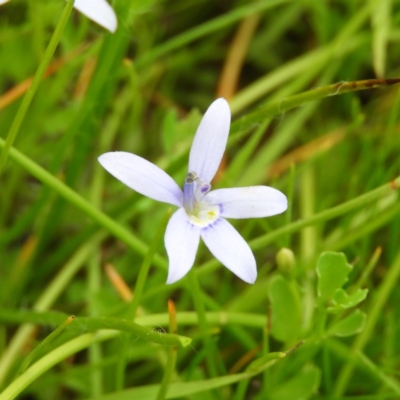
(35, 83)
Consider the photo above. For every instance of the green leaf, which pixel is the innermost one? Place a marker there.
(264, 362)
(148, 334)
(169, 130)
(182, 389)
(176, 389)
(380, 24)
(332, 271)
(343, 300)
(352, 324)
(32, 355)
(285, 305)
(301, 387)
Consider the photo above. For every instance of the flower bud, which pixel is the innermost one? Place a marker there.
(285, 260)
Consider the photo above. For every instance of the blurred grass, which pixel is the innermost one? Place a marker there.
(143, 90)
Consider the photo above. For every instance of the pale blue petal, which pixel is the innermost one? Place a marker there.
(98, 11)
(226, 244)
(142, 176)
(181, 241)
(210, 140)
(248, 202)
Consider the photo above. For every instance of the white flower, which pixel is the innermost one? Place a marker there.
(97, 10)
(201, 212)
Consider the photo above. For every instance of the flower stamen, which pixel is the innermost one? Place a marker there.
(199, 211)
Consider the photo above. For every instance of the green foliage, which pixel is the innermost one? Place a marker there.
(285, 306)
(264, 362)
(307, 119)
(350, 325)
(301, 386)
(332, 271)
(344, 300)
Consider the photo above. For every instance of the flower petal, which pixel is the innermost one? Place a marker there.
(181, 241)
(98, 11)
(248, 202)
(210, 140)
(142, 176)
(226, 244)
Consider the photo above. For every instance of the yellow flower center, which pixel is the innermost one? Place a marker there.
(204, 214)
